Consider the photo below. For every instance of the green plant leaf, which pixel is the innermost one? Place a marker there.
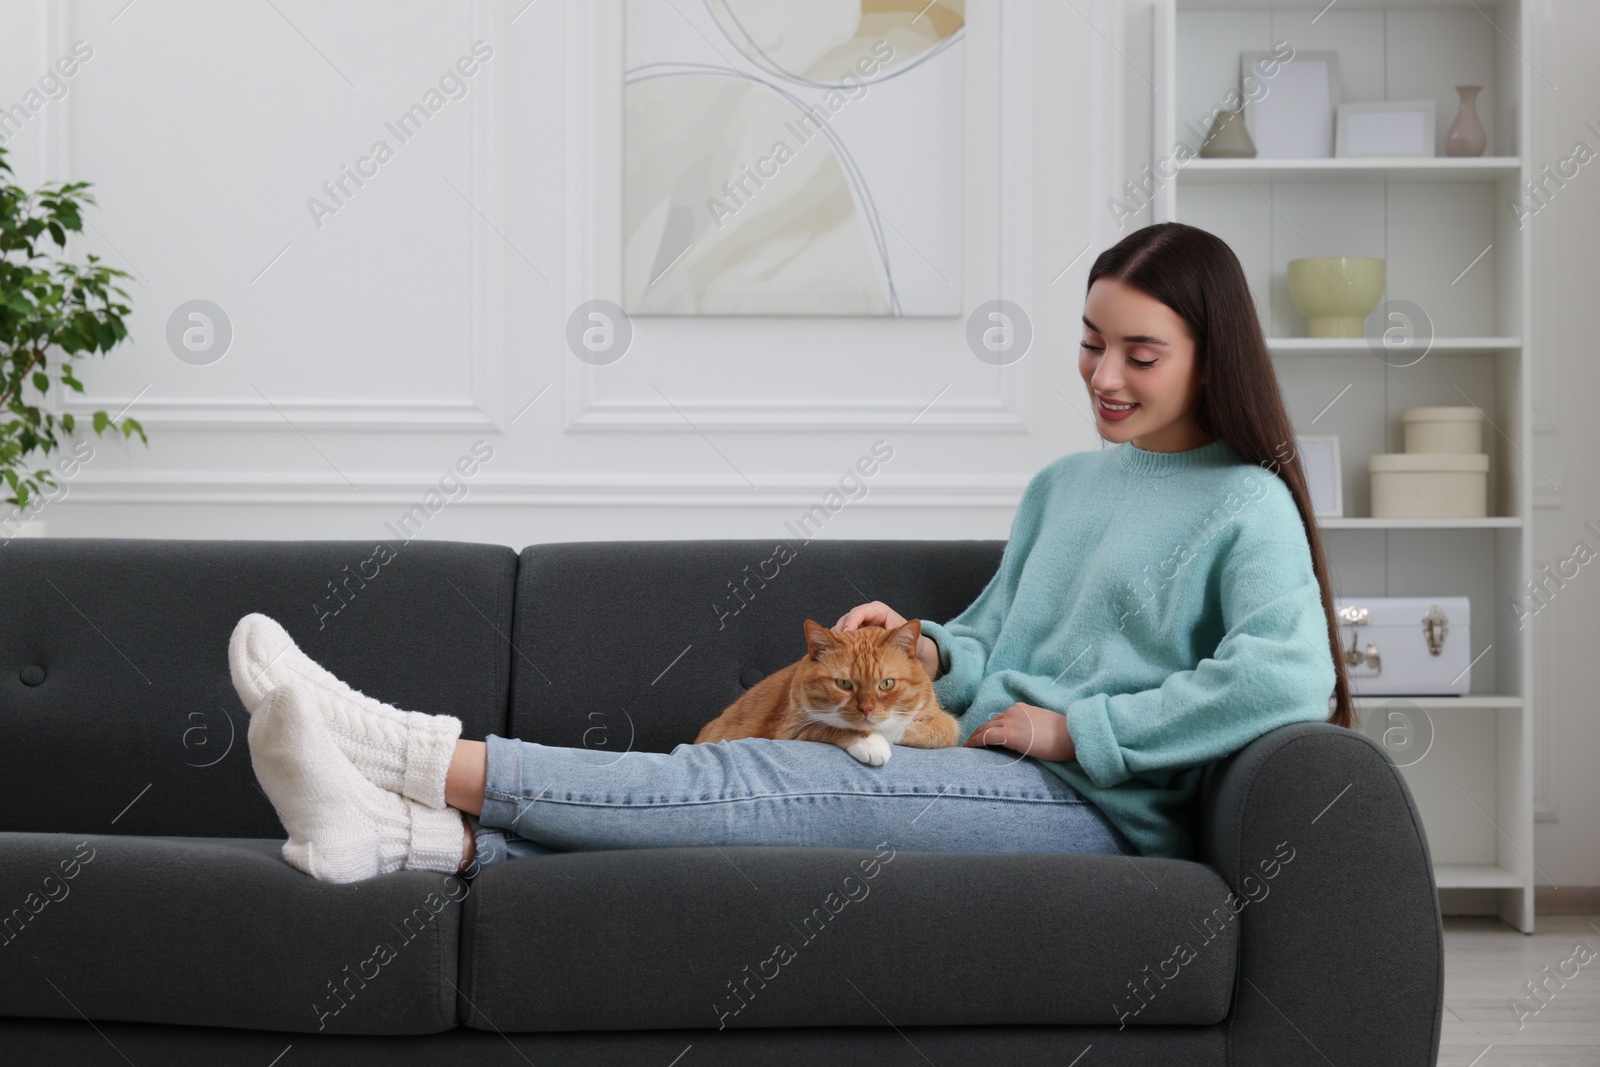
(131, 427)
(41, 381)
(101, 421)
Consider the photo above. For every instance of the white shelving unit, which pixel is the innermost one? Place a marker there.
(1450, 234)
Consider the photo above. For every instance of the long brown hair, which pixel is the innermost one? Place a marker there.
(1196, 274)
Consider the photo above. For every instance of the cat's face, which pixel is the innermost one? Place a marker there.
(863, 679)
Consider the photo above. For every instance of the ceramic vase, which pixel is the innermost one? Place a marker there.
(1466, 136)
(1229, 139)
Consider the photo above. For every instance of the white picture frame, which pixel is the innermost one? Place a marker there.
(1386, 128)
(1319, 458)
(1293, 118)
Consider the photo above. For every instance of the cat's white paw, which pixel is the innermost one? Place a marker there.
(874, 750)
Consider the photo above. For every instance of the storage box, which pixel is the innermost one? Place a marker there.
(1406, 645)
(1429, 485)
(1443, 429)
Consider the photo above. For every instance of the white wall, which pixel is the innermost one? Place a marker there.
(371, 352)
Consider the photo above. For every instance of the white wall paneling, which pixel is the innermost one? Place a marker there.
(803, 374)
(478, 253)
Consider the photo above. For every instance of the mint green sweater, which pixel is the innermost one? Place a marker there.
(1165, 603)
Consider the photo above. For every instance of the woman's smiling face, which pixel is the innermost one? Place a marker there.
(1136, 350)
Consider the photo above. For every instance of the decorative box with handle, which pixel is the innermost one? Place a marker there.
(1406, 645)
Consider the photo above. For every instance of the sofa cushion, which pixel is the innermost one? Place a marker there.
(756, 936)
(221, 932)
(638, 644)
(115, 700)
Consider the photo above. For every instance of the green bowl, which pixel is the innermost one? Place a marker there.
(1337, 293)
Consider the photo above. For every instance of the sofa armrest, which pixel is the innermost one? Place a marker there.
(1341, 950)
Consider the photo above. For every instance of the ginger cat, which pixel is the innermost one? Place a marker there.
(863, 690)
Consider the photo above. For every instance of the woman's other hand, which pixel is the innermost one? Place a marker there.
(1031, 730)
(877, 613)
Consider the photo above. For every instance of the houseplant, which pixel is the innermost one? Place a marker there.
(52, 311)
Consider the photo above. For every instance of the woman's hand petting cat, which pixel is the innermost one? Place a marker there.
(1029, 729)
(877, 613)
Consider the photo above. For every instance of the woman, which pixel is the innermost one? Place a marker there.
(1157, 606)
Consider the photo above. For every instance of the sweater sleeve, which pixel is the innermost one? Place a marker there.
(966, 641)
(1272, 667)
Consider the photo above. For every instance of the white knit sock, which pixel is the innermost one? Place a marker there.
(342, 828)
(405, 752)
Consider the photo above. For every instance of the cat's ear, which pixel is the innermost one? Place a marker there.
(820, 639)
(906, 636)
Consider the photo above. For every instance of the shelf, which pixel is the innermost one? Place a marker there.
(1460, 270)
(1337, 346)
(1351, 169)
(1472, 700)
(1475, 876)
(1491, 522)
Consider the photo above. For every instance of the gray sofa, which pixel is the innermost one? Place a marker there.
(146, 915)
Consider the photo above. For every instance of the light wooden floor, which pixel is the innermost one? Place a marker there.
(1487, 965)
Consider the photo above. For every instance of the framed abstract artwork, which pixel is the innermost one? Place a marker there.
(792, 159)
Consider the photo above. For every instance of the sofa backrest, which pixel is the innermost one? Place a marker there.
(117, 714)
(635, 645)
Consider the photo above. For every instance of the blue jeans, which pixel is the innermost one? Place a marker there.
(753, 791)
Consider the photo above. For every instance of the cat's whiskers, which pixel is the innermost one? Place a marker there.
(832, 717)
(893, 728)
